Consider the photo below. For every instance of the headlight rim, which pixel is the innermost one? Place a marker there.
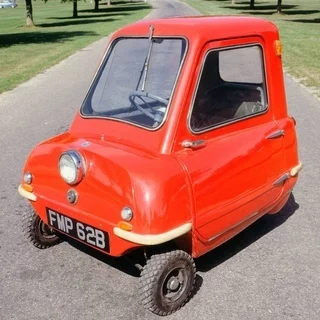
(27, 177)
(126, 213)
(79, 165)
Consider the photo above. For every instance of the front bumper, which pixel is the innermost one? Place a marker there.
(153, 239)
(26, 194)
(121, 241)
(295, 170)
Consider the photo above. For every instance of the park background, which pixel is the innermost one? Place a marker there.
(26, 51)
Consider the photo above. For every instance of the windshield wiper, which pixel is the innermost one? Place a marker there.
(146, 65)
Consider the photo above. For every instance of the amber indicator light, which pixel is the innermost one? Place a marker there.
(27, 187)
(278, 48)
(124, 225)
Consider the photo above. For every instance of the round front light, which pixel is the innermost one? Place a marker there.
(27, 178)
(126, 213)
(71, 167)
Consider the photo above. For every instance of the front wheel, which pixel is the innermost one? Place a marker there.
(39, 233)
(167, 281)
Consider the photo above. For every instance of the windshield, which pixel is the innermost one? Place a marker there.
(136, 81)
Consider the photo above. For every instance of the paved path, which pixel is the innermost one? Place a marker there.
(270, 271)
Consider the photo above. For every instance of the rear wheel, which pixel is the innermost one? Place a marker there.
(38, 232)
(167, 281)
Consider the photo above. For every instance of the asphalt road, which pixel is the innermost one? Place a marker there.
(269, 271)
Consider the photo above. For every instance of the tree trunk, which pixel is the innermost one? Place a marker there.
(233, 2)
(251, 4)
(279, 6)
(75, 8)
(29, 11)
(108, 2)
(96, 5)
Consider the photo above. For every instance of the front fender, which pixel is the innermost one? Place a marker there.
(161, 195)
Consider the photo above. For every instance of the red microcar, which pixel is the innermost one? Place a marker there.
(182, 141)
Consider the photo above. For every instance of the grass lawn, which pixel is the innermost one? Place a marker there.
(24, 52)
(299, 27)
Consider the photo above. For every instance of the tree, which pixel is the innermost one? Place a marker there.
(75, 7)
(279, 6)
(29, 11)
(96, 4)
(233, 2)
(251, 4)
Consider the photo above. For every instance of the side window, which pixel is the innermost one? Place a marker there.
(231, 87)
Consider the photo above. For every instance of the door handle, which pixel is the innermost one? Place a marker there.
(276, 134)
(197, 144)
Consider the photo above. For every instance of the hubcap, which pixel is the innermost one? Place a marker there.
(46, 231)
(174, 285)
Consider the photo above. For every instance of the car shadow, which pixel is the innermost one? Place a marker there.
(247, 237)
(123, 264)
(210, 260)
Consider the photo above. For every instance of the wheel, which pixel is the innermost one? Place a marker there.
(39, 233)
(167, 281)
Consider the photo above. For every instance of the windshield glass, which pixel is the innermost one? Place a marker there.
(136, 81)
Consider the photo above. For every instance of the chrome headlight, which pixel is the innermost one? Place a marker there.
(71, 166)
(27, 178)
(126, 213)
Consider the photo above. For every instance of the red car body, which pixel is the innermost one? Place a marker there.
(194, 187)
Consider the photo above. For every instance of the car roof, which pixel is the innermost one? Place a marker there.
(217, 27)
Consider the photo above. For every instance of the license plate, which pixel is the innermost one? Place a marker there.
(78, 230)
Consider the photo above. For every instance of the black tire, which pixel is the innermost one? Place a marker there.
(39, 233)
(167, 281)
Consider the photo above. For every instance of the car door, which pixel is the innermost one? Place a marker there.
(232, 147)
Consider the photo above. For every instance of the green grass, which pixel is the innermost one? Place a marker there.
(26, 51)
(299, 27)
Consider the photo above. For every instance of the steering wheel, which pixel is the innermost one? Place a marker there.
(151, 114)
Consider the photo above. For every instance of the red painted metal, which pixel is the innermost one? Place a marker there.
(221, 188)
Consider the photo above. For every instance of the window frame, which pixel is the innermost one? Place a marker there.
(223, 124)
(101, 68)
